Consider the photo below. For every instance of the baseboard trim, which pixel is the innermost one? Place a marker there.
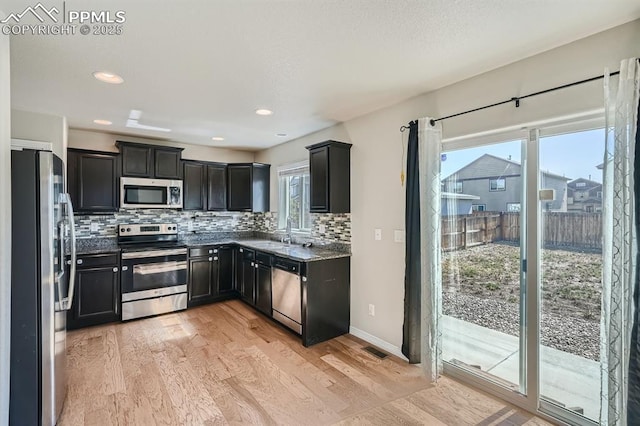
(370, 338)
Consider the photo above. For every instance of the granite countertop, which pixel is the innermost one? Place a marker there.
(291, 251)
(96, 246)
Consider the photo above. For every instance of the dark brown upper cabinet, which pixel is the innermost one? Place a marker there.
(216, 186)
(93, 181)
(194, 185)
(330, 182)
(150, 161)
(248, 187)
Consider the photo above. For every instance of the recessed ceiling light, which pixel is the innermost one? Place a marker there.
(263, 111)
(281, 135)
(217, 138)
(108, 77)
(103, 122)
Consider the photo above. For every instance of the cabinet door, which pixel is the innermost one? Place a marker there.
(237, 269)
(263, 290)
(200, 283)
(194, 186)
(97, 296)
(137, 161)
(239, 184)
(216, 187)
(93, 181)
(319, 179)
(167, 163)
(248, 281)
(225, 270)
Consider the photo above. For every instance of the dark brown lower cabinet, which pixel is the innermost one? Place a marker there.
(96, 299)
(263, 288)
(210, 274)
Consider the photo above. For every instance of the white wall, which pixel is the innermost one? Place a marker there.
(5, 227)
(41, 127)
(377, 198)
(101, 141)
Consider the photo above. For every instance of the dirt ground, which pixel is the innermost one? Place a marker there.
(571, 283)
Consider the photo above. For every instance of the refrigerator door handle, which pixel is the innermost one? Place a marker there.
(66, 302)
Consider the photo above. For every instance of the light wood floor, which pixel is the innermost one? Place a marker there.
(224, 363)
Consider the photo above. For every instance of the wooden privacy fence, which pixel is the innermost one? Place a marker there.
(575, 230)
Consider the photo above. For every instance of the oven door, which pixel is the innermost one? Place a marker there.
(153, 273)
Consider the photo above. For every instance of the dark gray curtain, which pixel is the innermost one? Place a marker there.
(411, 328)
(633, 403)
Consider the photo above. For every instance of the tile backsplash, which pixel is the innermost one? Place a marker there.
(326, 228)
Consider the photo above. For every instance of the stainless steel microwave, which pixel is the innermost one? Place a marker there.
(143, 193)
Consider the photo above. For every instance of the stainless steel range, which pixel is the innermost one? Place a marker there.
(154, 270)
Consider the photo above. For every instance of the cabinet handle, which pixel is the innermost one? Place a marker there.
(210, 251)
(125, 268)
(215, 258)
(304, 279)
(79, 261)
(215, 251)
(241, 251)
(252, 264)
(115, 269)
(210, 259)
(68, 262)
(256, 266)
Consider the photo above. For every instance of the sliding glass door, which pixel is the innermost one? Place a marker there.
(482, 246)
(521, 239)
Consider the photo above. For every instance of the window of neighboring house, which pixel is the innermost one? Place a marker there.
(513, 207)
(293, 188)
(497, 185)
(581, 184)
(478, 207)
(599, 194)
(457, 187)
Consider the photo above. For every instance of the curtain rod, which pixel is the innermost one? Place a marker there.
(517, 99)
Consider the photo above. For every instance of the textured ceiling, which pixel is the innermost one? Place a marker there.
(201, 68)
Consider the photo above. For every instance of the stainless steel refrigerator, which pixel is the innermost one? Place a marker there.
(42, 285)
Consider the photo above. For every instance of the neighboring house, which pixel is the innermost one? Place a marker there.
(498, 184)
(456, 204)
(584, 195)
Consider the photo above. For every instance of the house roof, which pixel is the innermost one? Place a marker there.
(494, 166)
(589, 184)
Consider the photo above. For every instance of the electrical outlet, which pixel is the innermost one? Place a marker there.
(94, 227)
(398, 236)
(322, 228)
(372, 310)
(377, 234)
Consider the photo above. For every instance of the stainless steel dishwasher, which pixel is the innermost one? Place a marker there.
(286, 293)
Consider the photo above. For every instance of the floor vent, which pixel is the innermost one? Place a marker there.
(375, 352)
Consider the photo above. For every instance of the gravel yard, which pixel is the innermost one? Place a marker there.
(481, 286)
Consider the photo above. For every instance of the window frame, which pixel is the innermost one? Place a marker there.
(498, 189)
(475, 209)
(300, 169)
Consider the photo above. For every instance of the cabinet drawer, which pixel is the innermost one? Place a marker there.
(203, 251)
(246, 253)
(93, 260)
(263, 258)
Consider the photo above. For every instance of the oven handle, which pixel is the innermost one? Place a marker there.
(158, 268)
(153, 253)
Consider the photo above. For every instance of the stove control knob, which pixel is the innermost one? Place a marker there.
(128, 229)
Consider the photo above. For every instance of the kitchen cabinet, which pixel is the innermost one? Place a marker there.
(96, 299)
(93, 181)
(263, 282)
(150, 161)
(246, 275)
(210, 274)
(216, 186)
(329, 170)
(194, 185)
(205, 186)
(326, 300)
(248, 187)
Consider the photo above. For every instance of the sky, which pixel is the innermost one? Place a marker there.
(573, 155)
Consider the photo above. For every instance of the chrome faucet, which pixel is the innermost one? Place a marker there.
(287, 237)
